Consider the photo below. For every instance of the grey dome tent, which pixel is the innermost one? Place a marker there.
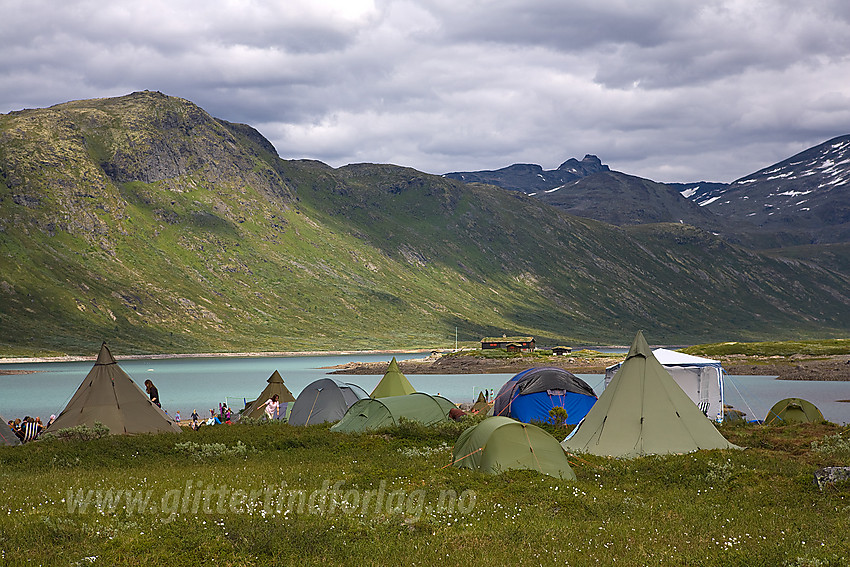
(7, 436)
(700, 378)
(324, 400)
(791, 411)
(109, 396)
(374, 413)
(644, 412)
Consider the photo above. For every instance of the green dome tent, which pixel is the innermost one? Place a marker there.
(374, 413)
(394, 383)
(276, 386)
(791, 411)
(110, 396)
(498, 444)
(644, 412)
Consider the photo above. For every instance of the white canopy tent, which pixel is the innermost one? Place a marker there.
(700, 378)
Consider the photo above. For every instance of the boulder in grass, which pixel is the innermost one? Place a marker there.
(829, 476)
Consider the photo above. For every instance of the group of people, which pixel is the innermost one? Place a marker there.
(224, 414)
(29, 428)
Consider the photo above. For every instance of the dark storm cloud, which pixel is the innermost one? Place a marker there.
(671, 90)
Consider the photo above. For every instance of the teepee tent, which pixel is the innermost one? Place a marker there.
(394, 383)
(480, 404)
(644, 412)
(324, 400)
(374, 413)
(700, 378)
(498, 444)
(7, 436)
(793, 410)
(109, 396)
(275, 386)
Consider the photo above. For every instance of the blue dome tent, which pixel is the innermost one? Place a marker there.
(531, 394)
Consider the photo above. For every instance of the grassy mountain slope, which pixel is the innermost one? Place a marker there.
(144, 221)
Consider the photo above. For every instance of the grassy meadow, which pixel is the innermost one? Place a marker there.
(275, 494)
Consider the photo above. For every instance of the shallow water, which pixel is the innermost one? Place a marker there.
(187, 384)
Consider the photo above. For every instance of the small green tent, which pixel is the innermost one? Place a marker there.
(394, 383)
(256, 409)
(499, 443)
(110, 396)
(644, 412)
(793, 410)
(373, 413)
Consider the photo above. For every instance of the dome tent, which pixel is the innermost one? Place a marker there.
(791, 411)
(275, 386)
(498, 444)
(644, 412)
(394, 383)
(109, 396)
(531, 395)
(700, 378)
(374, 413)
(324, 400)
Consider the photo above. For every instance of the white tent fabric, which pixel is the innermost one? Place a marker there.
(700, 378)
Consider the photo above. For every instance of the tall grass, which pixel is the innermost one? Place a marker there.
(756, 507)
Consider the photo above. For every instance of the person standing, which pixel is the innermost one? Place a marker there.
(272, 407)
(153, 393)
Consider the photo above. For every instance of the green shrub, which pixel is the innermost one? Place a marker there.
(79, 433)
(208, 451)
(832, 445)
(558, 415)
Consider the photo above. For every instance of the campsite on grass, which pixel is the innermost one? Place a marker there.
(431, 479)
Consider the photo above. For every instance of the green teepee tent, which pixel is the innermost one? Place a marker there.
(394, 383)
(480, 404)
(499, 443)
(644, 412)
(793, 410)
(110, 396)
(275, 386)
(374, 413)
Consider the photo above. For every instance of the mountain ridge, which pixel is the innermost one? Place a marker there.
(144, 221)
(802, 200)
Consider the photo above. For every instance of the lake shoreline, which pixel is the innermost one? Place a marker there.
(834, 368)
(281, 354)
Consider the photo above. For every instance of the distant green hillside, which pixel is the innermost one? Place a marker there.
(143, 221)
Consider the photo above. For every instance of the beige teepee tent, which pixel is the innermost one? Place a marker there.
(109, 396)
(394, 383)
(276, 386)
(644, 412)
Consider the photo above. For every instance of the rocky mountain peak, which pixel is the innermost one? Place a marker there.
(589, 165)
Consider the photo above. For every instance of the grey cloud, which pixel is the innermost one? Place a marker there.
(671, 90)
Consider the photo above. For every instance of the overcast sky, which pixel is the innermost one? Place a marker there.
(669, 90)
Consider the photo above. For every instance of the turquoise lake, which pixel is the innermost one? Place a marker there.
(203, 383)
